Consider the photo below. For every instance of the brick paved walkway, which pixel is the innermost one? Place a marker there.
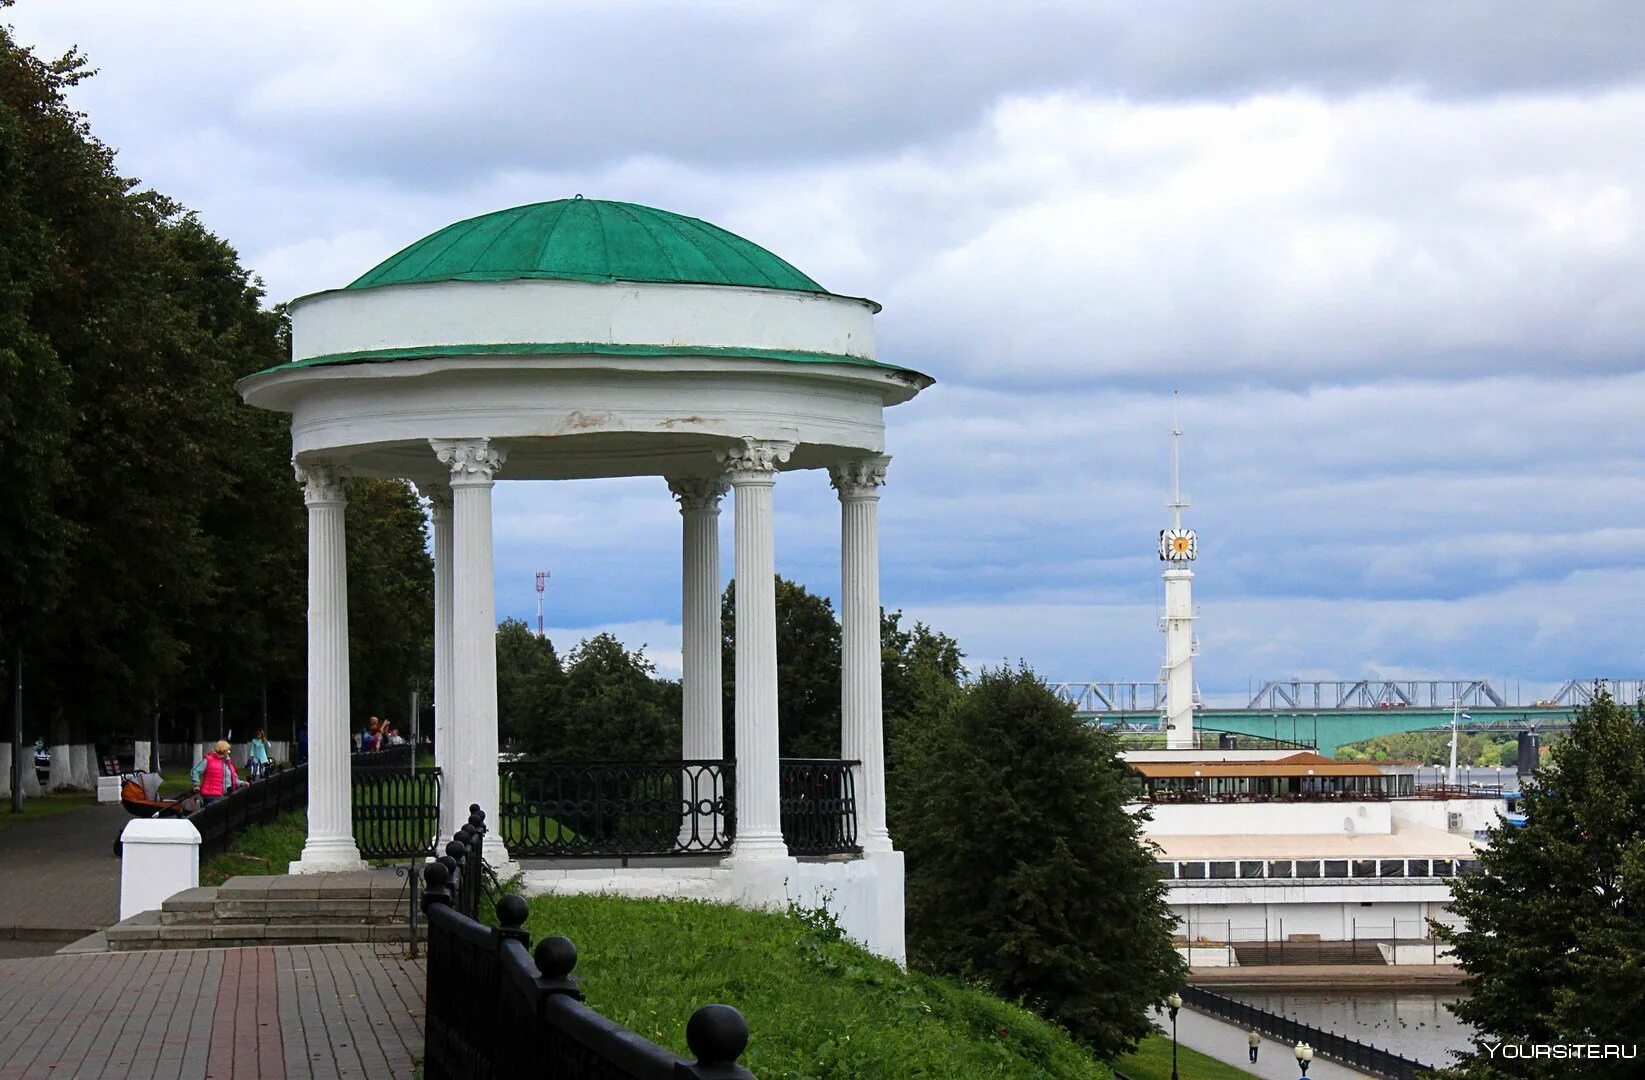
(59, 878)
(326, 1011)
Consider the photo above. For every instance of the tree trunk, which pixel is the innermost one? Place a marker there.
(5, 770)
(60, 776)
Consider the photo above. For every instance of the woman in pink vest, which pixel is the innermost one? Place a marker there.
(215, 775)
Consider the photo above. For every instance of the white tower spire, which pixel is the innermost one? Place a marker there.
(1177, 548)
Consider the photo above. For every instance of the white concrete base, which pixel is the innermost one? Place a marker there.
(1438, 953)
(108, 789)
(160, 857)
(1208, 956)
(328, 858)
(865, 893)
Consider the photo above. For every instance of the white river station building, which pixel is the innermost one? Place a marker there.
(581, 339)
(1261, 842)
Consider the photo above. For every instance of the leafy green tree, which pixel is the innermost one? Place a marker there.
(1025, 869)
(615, 708)
(1551, 931)
(808, 671)
(390, 598)
(529, 684)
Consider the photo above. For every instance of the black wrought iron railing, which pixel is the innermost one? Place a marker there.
(560, 809)
(618, 809)
(1327, 1044)
(497, 1008)
(252, 804)
(819, 806)
(396, 810)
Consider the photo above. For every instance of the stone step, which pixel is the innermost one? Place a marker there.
(146, 932)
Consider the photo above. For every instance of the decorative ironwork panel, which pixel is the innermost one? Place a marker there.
(396, 812)
(617, 808)
(819, 806)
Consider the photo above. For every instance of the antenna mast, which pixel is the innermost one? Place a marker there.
(1177, 504)
(542, 583)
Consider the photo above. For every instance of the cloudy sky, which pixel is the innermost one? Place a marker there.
(1392, 254)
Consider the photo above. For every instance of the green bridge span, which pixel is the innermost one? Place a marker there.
(1332, 728)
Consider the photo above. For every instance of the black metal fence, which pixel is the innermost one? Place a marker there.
(819, 806)
(253, 804)
(1327, 1044)
(396, 805)
(497, 1008)
(559, 809)
(396, 809)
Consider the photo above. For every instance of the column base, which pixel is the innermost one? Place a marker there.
(876, 842)
(328, 857)
(745, 847)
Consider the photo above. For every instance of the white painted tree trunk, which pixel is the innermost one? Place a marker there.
(5, 770)
(31, 778)
(83, 766)
(61, 772)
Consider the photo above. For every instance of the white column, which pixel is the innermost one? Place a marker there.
(862, 726)
(472, 716)
(752, 470)
(702, 716)
(439, 501)
(701, 732)
(330, 843)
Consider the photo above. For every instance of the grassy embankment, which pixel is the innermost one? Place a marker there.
(1152, 1061)
(817, 1007)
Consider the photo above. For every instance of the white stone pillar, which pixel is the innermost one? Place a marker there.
(1179, 659)
(330, 843)
(862, 725)
(472, 716)
(702, 716)
(439, 500)
(752, 470)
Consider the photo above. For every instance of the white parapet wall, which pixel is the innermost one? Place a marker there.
(864, 893)
(1435, 953)
(160, 857)
(1269, 819)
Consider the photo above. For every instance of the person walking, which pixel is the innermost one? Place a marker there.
(257, 753)
(1254, 1041)
(214, 774)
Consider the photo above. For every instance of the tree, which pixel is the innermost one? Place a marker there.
(615, 708)
(808, 671)
(1551, 929)
(1025, 869)
(390, 598)
(529, 682)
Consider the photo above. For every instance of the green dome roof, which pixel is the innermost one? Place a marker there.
(587, 240)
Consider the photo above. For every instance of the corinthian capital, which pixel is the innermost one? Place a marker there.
(322, 482)
(438, 495)
(859, 477)
(755, 459)
(698, 492)
(472, 461)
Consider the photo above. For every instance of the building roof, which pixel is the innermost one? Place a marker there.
(1296, 765)
(587, 240)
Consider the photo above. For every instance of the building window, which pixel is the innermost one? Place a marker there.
(1166, 869)
(1364, 868)
(1280, 869)
(1467, 867)
(1392, 868)
(1442, 868)
(1191, 871)
(1336, 868)
(1418, 868)
(1250, 869)
(1222, 869)
(1307, 868)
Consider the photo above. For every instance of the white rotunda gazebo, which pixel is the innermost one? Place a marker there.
(583, 338)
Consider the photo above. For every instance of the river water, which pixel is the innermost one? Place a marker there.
(1411, 1023)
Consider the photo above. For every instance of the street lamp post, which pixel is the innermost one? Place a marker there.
(1172, 1004)
(1305, 1054)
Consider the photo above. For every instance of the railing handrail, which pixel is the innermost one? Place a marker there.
(1328, 1044)
(493, 1003)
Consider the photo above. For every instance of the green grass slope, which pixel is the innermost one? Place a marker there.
(818, 1008)
(1152, 1061)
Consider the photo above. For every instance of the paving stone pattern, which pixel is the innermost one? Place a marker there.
(324, 1011)
(59, 877)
